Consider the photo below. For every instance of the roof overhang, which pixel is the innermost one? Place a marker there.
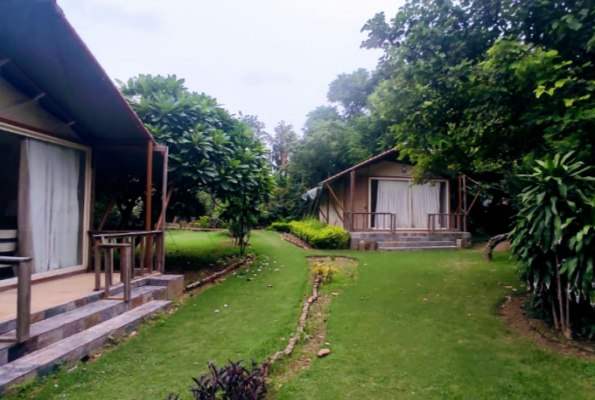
(380, 157)
(43, 57)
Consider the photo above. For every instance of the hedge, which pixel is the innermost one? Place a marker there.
(315, 233)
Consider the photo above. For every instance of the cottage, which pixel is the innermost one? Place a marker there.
(65, 131)
(376, 201)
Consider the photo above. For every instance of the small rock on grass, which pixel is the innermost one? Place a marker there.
(270, 286)
(425, 300)
(324, 353)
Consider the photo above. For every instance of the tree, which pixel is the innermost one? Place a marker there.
(282, 144)
(351, 91)
(208, 149)
(461, 79)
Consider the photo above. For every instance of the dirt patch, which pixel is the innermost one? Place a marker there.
(313, 337)
(291, 238)
(313, 340)
(513, 311)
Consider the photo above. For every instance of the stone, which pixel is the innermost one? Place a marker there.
(425, 300)
(324, 353)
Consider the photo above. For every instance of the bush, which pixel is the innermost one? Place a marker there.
(319, 235)
(325, 271)
(234, 381)
(280, 227)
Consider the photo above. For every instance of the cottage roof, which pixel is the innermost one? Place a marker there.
(44, 58)
(376, 158)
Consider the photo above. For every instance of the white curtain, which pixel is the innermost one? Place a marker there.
(393, 197)
(49, 209)
(426, 200)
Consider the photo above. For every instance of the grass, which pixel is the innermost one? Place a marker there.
(162, 358)
(386, 341)
(394, 345)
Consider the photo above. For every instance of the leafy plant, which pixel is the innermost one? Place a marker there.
(325, 271)
(554, 238)
(231, 382)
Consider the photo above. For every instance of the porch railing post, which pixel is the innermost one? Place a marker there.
(24, 301)
(125, 271)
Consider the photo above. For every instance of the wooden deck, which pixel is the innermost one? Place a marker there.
(49, 294)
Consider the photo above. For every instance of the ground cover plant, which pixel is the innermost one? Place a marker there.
(417, 325)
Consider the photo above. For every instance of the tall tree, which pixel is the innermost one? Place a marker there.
(462, 78)
(351, 91)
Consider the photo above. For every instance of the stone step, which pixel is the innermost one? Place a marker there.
(116, 290)
(425, 248)
(76, 347)
(58, 327)
(435, 243)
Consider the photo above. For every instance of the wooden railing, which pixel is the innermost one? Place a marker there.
(445, 222)
(373, 221)
(23, 272)
(150, 257)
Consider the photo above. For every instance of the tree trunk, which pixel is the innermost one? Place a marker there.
(492, 243)
(563, 318)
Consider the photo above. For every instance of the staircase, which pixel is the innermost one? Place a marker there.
(71, 331)
(409, 241)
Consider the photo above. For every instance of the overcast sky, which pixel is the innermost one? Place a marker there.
(270, 58)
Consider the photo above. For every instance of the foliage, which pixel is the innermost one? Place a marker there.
(231, 382)
(209, 150)
(280, 227)
(351, 91)
(554, 237)
(483, 87)
(325, 271)
(320, 235)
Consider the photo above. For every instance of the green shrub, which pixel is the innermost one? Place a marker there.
(279, 227)
(319, 235)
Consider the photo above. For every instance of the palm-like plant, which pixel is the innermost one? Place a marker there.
(554, 236)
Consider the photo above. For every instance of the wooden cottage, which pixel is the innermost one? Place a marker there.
(65, 129)
(377, 201)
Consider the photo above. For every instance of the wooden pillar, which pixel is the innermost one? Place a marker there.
(351, 199)
(464, 203)
(148, 206)
(460, 200)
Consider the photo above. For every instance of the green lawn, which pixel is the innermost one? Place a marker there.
(390, 345)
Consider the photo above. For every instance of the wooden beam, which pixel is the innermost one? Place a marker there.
(148, 206)
(149, 197)
(107, 212)
(160, 225)
(335, 196)
(473, 202)
(328, 211)
(322, 212)
(337, 212)
(127, 147)
(164, 197)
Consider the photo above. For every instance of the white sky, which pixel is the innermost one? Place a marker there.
(270, 58)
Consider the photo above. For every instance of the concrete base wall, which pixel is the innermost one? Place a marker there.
(380, 237)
